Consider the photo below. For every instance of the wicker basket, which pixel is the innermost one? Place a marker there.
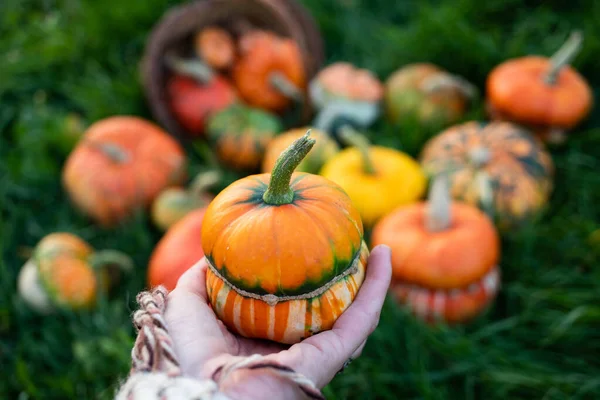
(176, 28)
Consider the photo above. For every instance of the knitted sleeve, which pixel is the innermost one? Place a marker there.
(156, 374)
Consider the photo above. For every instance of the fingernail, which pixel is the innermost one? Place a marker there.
(385, 249)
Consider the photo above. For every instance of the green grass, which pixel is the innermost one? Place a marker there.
(541, 339)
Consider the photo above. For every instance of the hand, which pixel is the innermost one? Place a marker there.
(203, 343)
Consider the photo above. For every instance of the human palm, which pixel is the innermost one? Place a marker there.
(203, 343)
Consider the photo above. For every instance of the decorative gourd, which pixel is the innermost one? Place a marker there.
(428, 95)
(215, 46)
(544, 94)
(269, 72)
(195, 92)
(241, 133)
(323, 150)
(285, 251)
(121, 164)
(177, 251)
(345, 94)
(497, 166)
(444, 257)
(378, 179)
(65, 272)
(174, 203)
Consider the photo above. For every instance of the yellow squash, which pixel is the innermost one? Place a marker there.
(378, 179)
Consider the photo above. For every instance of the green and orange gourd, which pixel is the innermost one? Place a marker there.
(285, 250)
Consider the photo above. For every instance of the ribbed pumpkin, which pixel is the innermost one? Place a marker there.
(323, 150)
(378, 179)
(285, 250)
(65, 272)
(120, 165)
(444, 257)
(269, 72)
(497, 166)
(544, 94)
(177, 251)
(241, 133)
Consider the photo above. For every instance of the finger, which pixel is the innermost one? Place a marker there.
(357, 353)
(320, 356)
(196, 333)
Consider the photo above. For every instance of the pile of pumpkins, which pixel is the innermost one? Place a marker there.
(314, 196)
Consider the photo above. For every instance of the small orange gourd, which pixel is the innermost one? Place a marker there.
(215, 46)
(121, 164)
(269, 72)
(177, 251)
(444, 257)
(285, 251)
(545, 94)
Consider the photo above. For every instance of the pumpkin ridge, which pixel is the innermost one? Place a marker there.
(273, 299)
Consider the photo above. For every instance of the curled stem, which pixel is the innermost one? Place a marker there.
(353, 138)
(279, 191)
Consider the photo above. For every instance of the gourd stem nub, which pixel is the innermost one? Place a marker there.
(438, 213)
(353, 138)
(195, 69)
(279, 191)
(564, 56)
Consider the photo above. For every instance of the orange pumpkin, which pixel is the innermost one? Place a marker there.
(269, 72)
(174, 203)
(324, 148)
(177, 251)
(444, 257)
(240, 134)
(121, 164)
(427, 94)
(497, 166)
(285, 251)
(66, 272)
(215, 47)
(545, 94)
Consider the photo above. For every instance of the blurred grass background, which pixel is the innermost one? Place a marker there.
(540, 340)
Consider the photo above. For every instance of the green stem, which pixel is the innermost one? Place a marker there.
(109, 265)
(279, 191)
(203, 181)
(563, 56)
(283, 85)
(192, 68)
(353, 138)
(112, 151)
(439, 216)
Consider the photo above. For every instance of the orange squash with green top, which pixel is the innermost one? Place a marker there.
(285, 251)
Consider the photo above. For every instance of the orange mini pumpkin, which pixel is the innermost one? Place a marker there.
(444, 257)
(177, 251)
(121, 164)
(215, 46)
(285, 251)
(269, 72)
(65, 272)
(497, 166)
(544, 94)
